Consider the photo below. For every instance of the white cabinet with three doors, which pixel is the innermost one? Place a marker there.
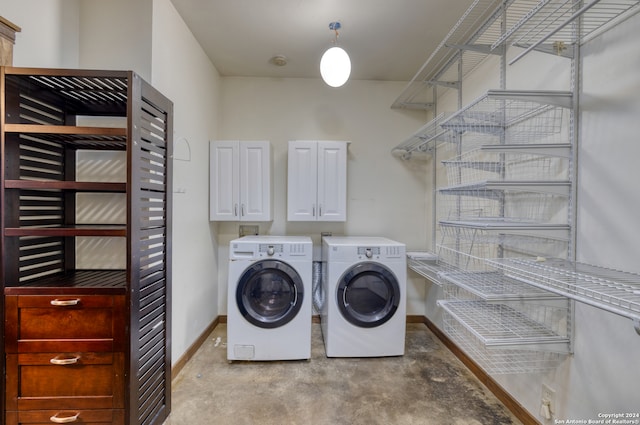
(317, 181)
(240, 181)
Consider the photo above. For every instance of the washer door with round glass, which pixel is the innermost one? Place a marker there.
(368, 294)
(269, 293)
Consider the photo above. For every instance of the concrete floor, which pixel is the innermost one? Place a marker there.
(428, 385)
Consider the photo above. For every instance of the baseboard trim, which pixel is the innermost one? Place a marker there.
(182, 361)
(415, 319)
(501, 394)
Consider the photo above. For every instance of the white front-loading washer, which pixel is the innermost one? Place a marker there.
(269, 298)
(364, 291)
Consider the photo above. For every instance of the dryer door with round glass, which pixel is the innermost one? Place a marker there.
(368, 294)
(269, 293)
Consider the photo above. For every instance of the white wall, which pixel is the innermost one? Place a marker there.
(116, 34)
(49, 36)
(385, 195)
(183, 73)
(602, 375)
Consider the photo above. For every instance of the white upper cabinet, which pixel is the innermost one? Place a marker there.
(317, 181)
(240, 181)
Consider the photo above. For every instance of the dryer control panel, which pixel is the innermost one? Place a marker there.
(344, 248)
(380, 252)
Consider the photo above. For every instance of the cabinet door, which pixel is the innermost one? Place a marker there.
(255, 181)
(302, 180)
(332, 181)
(224, 181)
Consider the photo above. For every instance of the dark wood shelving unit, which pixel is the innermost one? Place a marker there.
(81, 345)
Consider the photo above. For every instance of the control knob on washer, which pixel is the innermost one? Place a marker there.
(270, 251)
(368, 253)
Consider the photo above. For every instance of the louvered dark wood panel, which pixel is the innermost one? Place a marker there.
(151, 211)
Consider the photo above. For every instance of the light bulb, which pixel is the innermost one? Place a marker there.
(335, 66)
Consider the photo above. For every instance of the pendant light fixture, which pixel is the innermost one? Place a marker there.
(335, 65)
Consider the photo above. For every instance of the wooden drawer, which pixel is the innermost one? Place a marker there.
(50, 323)
(84, 417)
(43, 381)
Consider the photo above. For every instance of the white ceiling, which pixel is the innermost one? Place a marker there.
(386, 39)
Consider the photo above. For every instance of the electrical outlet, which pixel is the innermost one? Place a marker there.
(548, 397)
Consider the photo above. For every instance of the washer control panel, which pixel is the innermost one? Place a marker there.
(270, 249)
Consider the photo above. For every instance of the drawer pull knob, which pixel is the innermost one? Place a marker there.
(59, 360)
(65, 302)
(64, 419)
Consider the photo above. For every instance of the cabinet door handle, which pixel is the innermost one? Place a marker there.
(61, 361)
(64, 419)
(320, 210)
(63, 303)
(313, 210)
(235, 210)
(242, 209)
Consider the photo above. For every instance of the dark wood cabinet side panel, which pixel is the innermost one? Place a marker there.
(11, 418)
(120, 321)
(2, 359)
(11, 381)
(11, 324)
(118, 381)
(10, 209)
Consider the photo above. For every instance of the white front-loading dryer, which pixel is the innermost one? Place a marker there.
(269, 298)
(364, 290)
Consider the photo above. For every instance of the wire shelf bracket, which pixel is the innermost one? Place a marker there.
(422, 141)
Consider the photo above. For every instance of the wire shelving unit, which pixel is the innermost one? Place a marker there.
(507, 210)
(542, 25)
(483, 280)
(607, 289)
(522, 116)
(500, 325)
(495, 317)
(508, 194)
(510, 165)
(547, 25)
(499, 361)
